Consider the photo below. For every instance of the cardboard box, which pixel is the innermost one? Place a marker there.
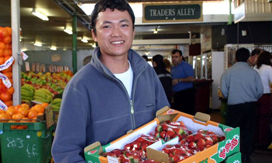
(216, 153)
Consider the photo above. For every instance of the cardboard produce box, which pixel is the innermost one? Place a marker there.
(227, 149)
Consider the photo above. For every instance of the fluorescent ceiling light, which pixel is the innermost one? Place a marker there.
(94, 45)
(84, 40)
(38, 44)
(69, 31)
(24, 49)
(53, 48)
(40, 15)
(155, 31)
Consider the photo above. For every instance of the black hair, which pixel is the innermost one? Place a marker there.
(102, 5)
(175, 51)
(256, 51)
(242, 55)
(145, 57)
(158, 59)
(264, 58)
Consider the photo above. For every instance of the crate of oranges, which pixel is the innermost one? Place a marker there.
(24, 134)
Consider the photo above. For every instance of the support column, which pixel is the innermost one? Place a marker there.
(74, 58)
(16, 52)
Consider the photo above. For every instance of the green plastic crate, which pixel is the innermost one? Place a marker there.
(31, 145)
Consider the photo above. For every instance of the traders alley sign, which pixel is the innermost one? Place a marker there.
(173, 12)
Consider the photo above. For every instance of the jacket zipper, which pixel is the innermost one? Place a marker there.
(132, 95)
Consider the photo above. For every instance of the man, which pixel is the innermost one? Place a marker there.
(183, 78)
(253, 57)
(242, 86)
(116, 92)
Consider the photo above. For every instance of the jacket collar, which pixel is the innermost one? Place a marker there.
(138, 64)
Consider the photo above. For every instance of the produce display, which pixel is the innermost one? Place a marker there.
(6, 61)
(189, 143)
(27, 93)
(54, 82)
(56, 104)
(22, 113)
(43, 95)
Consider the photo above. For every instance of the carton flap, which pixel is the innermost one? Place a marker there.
(162, 110)
(92, 146)
(157, 155)
(202, 117)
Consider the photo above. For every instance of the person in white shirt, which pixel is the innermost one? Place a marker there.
(263, 67)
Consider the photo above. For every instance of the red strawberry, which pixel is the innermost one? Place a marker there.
(198, 136)
(228, 145)
(192, 145)
(201, 143)
(178, 151)
(190, 138)
(234, 141)
(163, 134)
(222, 153)
(128, 147)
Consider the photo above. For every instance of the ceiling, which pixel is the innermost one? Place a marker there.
(59, 12)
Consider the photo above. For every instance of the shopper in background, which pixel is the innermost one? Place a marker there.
(242, 86)
(163, 74)
(253, 57)
(145, 57)
(263, 67)
(167, 64)
(116, 92)
(183, 78)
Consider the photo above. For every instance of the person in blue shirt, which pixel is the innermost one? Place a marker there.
(242, 86)
(183, 78)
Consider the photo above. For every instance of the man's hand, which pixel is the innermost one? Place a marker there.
(175, 81)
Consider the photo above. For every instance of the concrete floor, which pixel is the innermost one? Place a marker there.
(260, 155)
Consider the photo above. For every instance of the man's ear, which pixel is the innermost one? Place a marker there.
(94, 36)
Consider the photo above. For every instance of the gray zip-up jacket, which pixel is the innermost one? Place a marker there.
(97, 107)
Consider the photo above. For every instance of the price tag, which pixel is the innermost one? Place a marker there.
(49, 116)
(24, 56)
(7, 64)
(5, 80)
(3, 106)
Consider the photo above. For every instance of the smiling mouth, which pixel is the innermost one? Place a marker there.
(117, 42)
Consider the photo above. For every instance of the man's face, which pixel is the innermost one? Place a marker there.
(114, 32)
(176, 58)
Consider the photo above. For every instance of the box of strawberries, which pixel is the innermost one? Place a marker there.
(171, 137)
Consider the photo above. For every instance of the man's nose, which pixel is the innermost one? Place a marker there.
(116, 32)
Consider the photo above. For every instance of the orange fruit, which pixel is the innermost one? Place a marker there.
(10, 112)
(7, 40)
(23, 111)
(9, 31)
(25, 106)
(2, 111)
(2, 45)
(39, 108)
(1, 53)
(16, 108)
(18, 116)
(20, 127)
(3, 117)
(5, 96)
(9, 103)
(25, 120)
(2, 61)
(12, 126)
(32, 114)
(45, 104)
(10, 90)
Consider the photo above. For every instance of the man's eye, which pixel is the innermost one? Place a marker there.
(106, 26)
(124, 25)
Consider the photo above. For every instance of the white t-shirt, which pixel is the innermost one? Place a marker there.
(127, 79)
(265, 72)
